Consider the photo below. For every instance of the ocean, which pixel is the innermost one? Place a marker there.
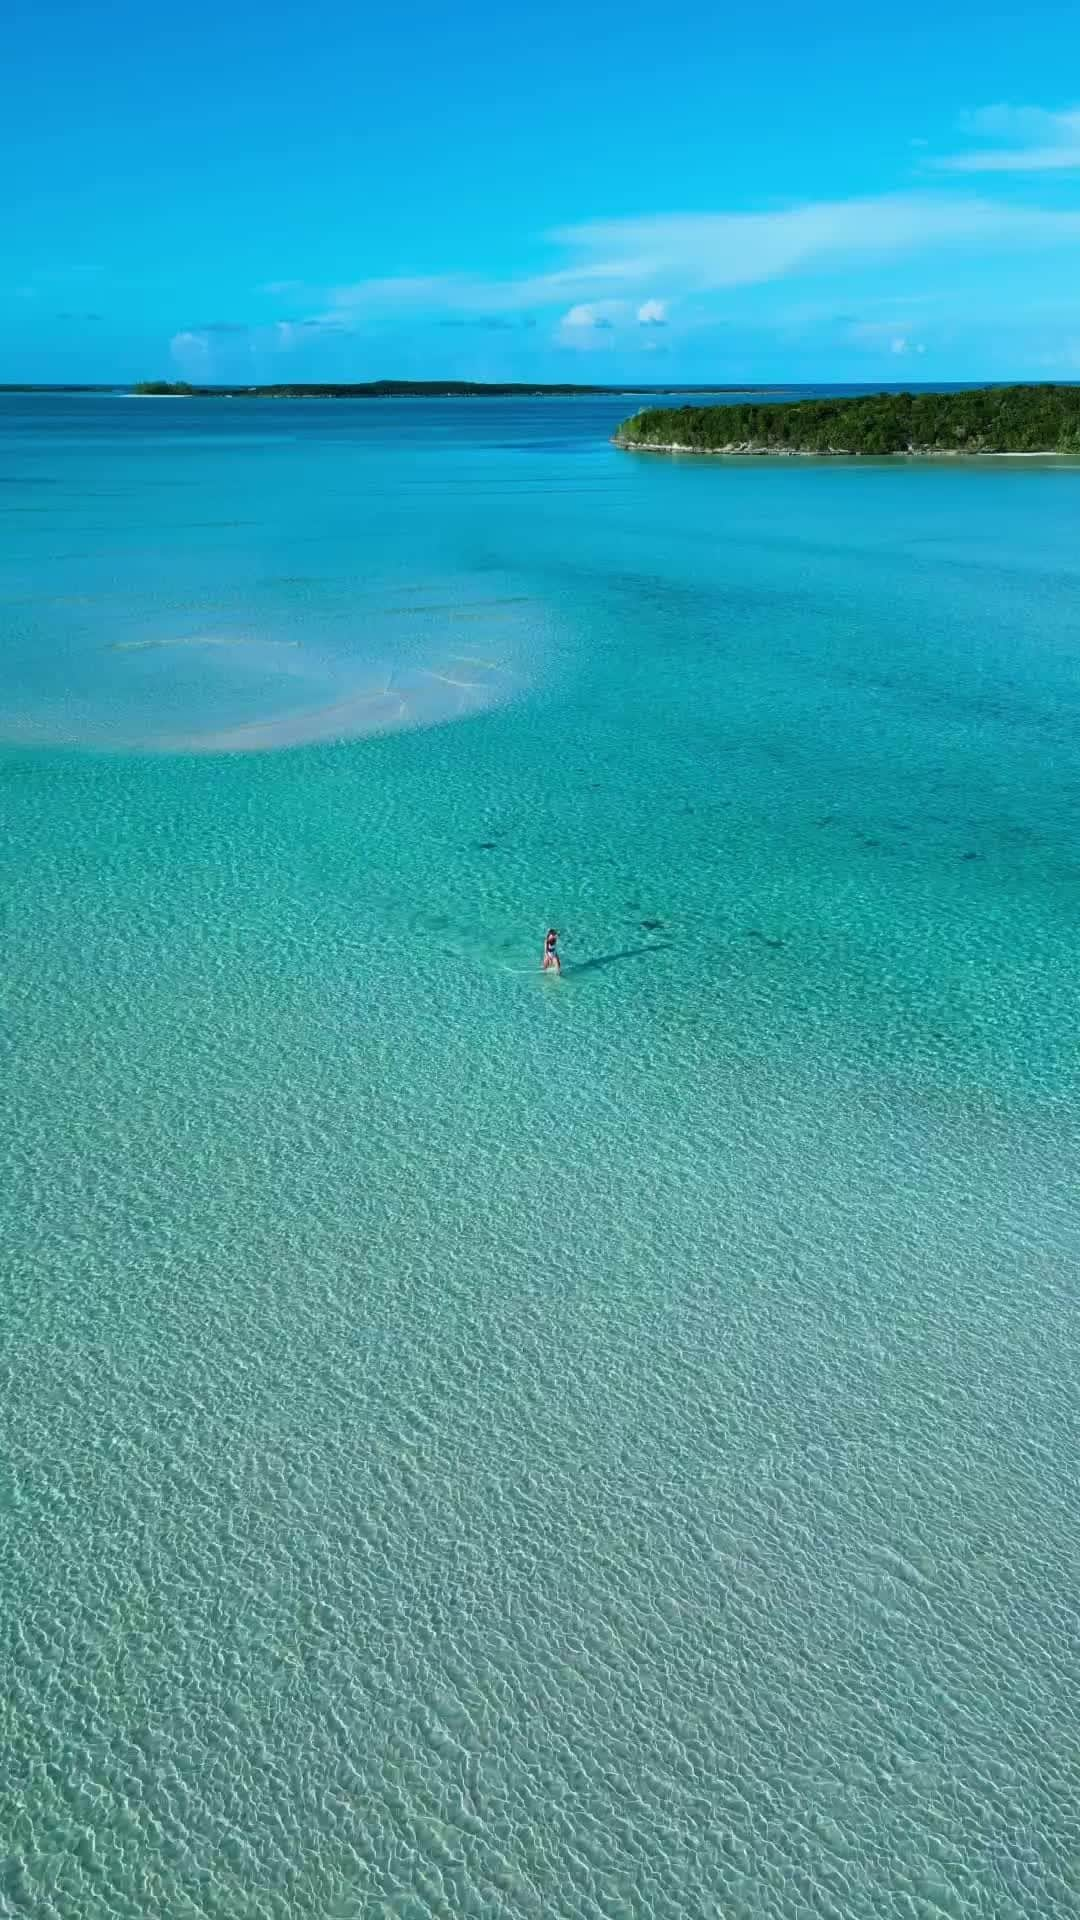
(476, 1443)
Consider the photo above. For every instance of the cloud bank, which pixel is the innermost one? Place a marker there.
(1036, 141)
(646, 283)
(632, 271)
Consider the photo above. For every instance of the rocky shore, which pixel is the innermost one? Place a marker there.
(747, 449)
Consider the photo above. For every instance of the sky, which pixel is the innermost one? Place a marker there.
(591, 190)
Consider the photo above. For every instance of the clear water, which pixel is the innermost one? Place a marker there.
(475, 1444)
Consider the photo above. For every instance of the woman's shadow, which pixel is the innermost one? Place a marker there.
(603, 960)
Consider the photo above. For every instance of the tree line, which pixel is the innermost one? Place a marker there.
(1042, 419)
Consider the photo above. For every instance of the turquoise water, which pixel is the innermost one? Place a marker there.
(476, 1444)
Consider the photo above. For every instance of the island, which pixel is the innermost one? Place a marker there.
(54, 386)
(409, 390)
(985, 420)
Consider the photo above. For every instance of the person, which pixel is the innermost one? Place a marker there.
(551, 957)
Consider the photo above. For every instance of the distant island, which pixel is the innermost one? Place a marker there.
(407, 389)
(984, 420)
(54, 386)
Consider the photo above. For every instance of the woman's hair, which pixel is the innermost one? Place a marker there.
(553, 933)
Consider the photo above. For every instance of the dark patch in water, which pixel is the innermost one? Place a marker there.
(969, 856)
(612, 959)
(828, 820)
(487, 846)
(652, 926)
(767, 940)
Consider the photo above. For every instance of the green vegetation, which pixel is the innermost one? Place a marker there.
(164, 387)
(987, 420)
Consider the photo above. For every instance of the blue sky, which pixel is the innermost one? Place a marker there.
(590, 191)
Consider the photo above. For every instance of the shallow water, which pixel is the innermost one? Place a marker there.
(483, 1444)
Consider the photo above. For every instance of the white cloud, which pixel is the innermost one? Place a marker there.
(622, 281)
(190, 349)
(885, 336)
(710, 252)
(587, 316)
(592, 325)
(608, 264)
(590, 316)
(1036, 141)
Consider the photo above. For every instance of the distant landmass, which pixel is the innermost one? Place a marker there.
(982, 420)
(409, 389)
(61, 386)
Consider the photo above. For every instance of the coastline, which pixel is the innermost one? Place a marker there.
(434, 390)
(746, 451)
